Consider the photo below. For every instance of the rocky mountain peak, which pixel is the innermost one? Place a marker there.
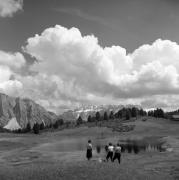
(24, 111)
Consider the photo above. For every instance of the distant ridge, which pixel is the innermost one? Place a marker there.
(85, 111)
(22, 111)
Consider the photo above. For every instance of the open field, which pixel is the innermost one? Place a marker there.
(61, 154)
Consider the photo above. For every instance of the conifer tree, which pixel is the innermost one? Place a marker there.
(79, 120)
(28, 127)
(36, 128)
(105, 116)
(98, 116)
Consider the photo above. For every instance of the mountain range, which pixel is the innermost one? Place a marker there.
(15, 113)
(87, 110)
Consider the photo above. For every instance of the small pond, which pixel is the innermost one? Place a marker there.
(100, 145)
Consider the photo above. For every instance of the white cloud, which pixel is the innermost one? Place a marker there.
(5, 73)
(9, 64)
(9, 7)
(70, 56)
(11, 87)
(8, 86)
(164, 51)
(73, 69)
(12, 60)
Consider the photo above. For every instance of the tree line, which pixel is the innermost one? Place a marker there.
(124, 113)
(158, 113)
(36, 128)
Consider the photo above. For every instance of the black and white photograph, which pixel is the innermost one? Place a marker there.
(89, 89)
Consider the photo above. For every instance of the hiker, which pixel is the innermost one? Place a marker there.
(89, 150)
(110, 152)
(117, 153)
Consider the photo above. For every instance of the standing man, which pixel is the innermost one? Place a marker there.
(117, 153)
(110, 152)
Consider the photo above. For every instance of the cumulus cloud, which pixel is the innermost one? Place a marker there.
(72, 57)
(164, 51)
(9, 7)
(72, 69)
(12, 60)
(150, 69)
(9, 64)
(8, 86)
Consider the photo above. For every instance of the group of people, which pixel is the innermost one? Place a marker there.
(113, 152)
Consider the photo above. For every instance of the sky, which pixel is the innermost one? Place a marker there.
(64, 53)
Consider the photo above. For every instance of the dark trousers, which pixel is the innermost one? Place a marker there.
(89, 154)
(117, 156)
(109, 155)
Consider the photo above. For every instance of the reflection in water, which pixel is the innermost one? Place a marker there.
(136, 146)
(98, 149)
(141, 145)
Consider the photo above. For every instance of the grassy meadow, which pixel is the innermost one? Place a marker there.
(61, 154)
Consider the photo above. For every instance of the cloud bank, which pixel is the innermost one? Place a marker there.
(9, 7)
(72, 69)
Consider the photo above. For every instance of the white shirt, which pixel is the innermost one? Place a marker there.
(118, 149)
(110, 148)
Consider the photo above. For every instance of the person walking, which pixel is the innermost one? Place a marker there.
(110, 152)
(117, 153)
(89, 150)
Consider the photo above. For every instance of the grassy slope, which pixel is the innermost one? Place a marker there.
(35, 156)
